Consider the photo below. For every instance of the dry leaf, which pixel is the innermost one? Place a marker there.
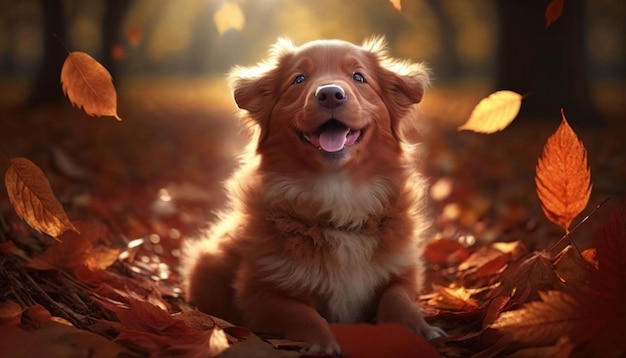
(494, 112)
(553, 11)
(10, 314)
(563, 177)
(56, 340)
(88, 85)
(540, 323)
(31, 196)
(454, 299)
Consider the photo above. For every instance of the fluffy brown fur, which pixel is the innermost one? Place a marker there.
(318, 232)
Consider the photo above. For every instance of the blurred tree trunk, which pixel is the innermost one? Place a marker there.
(114, 13)
(548, 63)
(46, 85)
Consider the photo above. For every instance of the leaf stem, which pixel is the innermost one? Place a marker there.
(61, 43)
(567, 234)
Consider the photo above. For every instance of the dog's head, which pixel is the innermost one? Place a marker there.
(329, 103)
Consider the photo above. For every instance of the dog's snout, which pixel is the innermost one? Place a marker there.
(330, 96)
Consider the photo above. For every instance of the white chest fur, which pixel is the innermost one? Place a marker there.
(346, 279)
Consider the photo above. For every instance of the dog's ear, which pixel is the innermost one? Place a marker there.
(254, 87)
(402, 83)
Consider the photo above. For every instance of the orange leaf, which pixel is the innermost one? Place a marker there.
(33, 200)
(397, 4)
(494, 112)
(540, 323)
(563, 176)
(553, 11)
(69, 253)
(88, 85)
(455, 299)
(134, 36)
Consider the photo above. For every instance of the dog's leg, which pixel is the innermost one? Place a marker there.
(398, 306)
(272, 312)
(210, 283)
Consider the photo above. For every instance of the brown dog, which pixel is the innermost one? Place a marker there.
(323, 223)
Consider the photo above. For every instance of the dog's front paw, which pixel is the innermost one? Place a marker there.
(430, 332)
(331, 349)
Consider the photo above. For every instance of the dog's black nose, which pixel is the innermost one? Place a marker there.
(330, 96)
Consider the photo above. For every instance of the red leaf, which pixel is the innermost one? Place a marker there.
(381, 340)
(553, 11)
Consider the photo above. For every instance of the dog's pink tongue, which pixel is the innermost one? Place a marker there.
(333, 139)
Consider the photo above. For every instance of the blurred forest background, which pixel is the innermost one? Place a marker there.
(178, 137)
(503, 44)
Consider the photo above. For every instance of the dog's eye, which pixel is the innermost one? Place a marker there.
(357, 76)
(299, 79)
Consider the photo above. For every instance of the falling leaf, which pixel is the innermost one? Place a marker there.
(118, 53)
(31, 196)
(134, 36)
(229, 17)
(563, 177)
(553, 11)
(88, 85)
(397, 4)
(494, 112)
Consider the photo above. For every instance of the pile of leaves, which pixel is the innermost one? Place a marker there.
(74, 287)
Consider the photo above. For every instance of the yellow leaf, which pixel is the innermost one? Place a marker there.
(397, 4)
(494, 112)
(553, 11)
(88, 85)
(31, 196)
(563, 177)
(454, 299)
(229, 17)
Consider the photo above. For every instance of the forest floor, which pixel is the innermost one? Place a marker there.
(156, 175)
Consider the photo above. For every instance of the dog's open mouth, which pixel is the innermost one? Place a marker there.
(333, 136)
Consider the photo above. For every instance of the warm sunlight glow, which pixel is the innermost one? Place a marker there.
(229, 17)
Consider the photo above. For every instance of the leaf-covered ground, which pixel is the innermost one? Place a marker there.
(137, 189)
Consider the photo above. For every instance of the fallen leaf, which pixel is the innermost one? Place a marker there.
(494, 112)
(10, 314)
(529, 276)
(56, 340)
(257, 348)
(563, 177)
(454, 299)
(89, 85)
(33, 200)
(553, 11)
(540, 323)
(74, 250)
(446, 252)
